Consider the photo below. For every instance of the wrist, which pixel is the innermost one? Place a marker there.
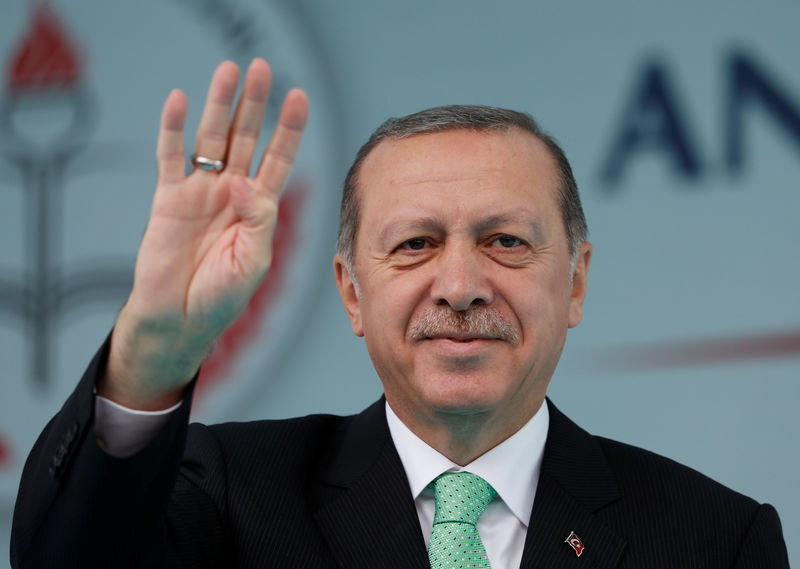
(149, 366)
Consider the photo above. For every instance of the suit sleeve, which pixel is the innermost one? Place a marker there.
(763, 545)
(80, 507)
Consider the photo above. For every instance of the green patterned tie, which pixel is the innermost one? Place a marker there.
(461, 498)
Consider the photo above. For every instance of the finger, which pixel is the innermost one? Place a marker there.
(212, 134)
(282, 149)
(248, 118)
(169, 151)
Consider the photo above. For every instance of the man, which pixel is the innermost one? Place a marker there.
(462, 260)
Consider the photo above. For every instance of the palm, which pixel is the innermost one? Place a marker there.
(208, 243)
(215, 257)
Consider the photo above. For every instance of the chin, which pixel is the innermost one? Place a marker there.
(463, 402)
(462, 410)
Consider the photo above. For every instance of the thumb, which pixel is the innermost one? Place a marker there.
(252, 207)
(258, 214)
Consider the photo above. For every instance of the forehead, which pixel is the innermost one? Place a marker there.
(486, 169)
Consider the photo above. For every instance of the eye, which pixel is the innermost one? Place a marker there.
(415, 244)
(509, 250)
(508, 241)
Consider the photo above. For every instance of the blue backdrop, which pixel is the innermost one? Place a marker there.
(682, 122)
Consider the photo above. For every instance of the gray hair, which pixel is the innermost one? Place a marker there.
(459, 117)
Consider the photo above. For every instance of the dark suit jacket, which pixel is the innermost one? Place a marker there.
(326, 491)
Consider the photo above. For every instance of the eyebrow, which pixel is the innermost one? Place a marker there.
(426, 223)
(522, 217)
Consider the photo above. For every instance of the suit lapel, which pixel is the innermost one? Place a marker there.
(365, 510)
(366, 514)
(574, 484)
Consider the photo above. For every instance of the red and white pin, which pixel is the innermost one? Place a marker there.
(575, 543)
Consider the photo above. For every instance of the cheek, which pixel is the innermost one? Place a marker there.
(540, 304)
(386, 307)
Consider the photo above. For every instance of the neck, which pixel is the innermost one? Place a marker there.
(463, 437)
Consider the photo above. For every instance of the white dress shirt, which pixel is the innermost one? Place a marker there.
(512, 468)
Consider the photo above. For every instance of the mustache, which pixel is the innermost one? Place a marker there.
(475, 322)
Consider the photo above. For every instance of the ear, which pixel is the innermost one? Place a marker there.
(578, 293)
(348, 294)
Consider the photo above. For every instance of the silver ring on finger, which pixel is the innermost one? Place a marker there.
(208, 164)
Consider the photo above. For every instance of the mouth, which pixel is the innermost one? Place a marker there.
(460, 346)
(460, 338)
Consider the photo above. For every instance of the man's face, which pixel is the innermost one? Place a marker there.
(463, 271)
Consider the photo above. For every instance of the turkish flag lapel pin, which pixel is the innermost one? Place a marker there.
(575, 543)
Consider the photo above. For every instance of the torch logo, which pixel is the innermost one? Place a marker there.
(45, 77)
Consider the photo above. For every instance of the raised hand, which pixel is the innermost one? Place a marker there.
(208, 243)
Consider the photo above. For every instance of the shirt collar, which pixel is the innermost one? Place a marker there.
(512, 467)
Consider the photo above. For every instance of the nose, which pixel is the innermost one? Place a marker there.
(461, 279)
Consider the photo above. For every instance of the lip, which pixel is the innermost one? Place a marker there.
(456, 337)
(460, 345)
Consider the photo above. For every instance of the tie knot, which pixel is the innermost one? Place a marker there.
(461, 497)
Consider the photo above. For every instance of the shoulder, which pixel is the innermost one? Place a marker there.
(312, 445)
(650, 477)
(627, 470)
(695, 517)
(669, 514)
(298, 440)
(266, 470)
